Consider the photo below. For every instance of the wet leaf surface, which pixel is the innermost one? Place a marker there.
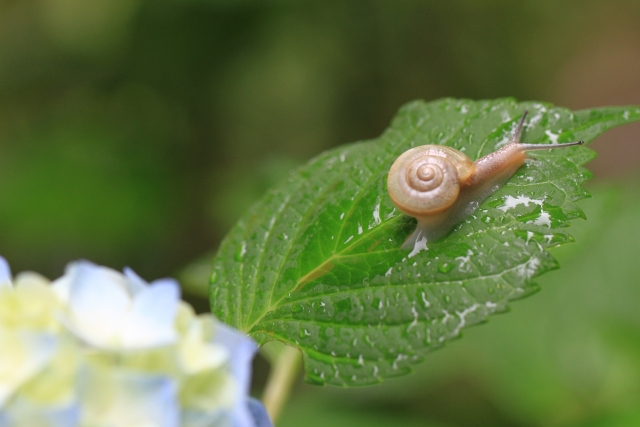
(317, 263)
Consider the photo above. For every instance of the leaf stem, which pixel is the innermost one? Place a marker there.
(283, 373)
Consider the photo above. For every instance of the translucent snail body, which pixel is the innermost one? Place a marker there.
(440, 186)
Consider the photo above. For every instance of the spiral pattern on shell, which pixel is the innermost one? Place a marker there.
(426, 180)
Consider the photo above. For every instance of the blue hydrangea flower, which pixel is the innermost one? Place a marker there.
(101, 348)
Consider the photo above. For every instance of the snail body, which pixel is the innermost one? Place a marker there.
(440, 186)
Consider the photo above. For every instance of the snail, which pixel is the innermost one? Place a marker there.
(440, 186)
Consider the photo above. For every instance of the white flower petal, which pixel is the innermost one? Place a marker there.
(99, 303)
(153, 313)
(241, 349)
(117, 311)
(73, 271)
(135, 282)
(62, 286)
(30, 278)
(23, 413)
(198, 355)
(119, 397)
(23, 355)
(207, 371)
(193, 418)
(5, 273)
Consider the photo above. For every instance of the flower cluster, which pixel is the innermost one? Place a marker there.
(103, 349)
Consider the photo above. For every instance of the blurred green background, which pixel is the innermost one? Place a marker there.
(136, 132)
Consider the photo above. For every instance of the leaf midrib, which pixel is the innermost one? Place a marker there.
(341, 255)
(498, 276)
(402, 285)
(414, 131)
(331, 259)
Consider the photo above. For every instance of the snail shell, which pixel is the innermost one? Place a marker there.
(440, 186)
(426, 180)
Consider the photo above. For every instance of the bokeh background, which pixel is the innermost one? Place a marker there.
(136, 132)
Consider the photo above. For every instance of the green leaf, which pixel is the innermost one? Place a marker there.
(317, 263)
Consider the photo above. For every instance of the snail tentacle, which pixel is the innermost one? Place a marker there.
(440, 186)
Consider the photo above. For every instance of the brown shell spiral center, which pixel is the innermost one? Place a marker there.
(422, 174)
(426, 173)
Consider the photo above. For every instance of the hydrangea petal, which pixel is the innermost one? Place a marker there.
(197, 353)
(121, 397)
(62, 286)
(5, 273)
(208, 398)
(201, 419)
(99, 303)
(242, 349)
(23, 355)
(177, 369)
(78, 271)
(135, 282)
(24, 413)
(55, 384)
(30, 305)
(30, 279)
(153, 314)
(259, 413)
